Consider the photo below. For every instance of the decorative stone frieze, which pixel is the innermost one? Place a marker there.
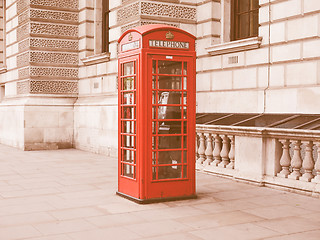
(141, 23)
(47, 87)
(54, 44)
(53, 87)
(129, 26)
(168, 10)
(54, 15)
(152, 9)
(54, 58)
(69, 4)
(38, 57)
(54, 29)
(128, 12)
(58, 72)
(157, 22)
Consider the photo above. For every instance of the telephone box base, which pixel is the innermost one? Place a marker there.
(155, 200)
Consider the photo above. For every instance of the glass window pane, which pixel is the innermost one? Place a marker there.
(154, 66)
(185, 157)
(185, 171)
(128, 112)
(129, 141)
(170, 127)
(254, 23)
(169, 67)
(154, 173)
(169, 112)
(169, 82)
(128, 170)
(184, 83)
(154, 85)
(169, 142)
(184, 112)
(185, 127)
(128, 68)
(128, 156)
(128, 98)
(243, 5)
(128, 83)
(185, 142)
(169, 172)
(128, 126)
(154, 143)
(169, 157)
(254, 4)
(185, 98)
(185, 68)
(244, 26)
(154, 127)
(169, 97)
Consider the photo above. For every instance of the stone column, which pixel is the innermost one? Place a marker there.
(42, 71)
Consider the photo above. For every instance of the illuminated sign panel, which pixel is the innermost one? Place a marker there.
(130, 46)
(168, 44)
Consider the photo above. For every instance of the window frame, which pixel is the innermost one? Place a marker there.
(252, 27)
(105, 25)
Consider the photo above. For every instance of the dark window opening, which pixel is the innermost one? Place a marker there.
(244, 19)
(105, 25)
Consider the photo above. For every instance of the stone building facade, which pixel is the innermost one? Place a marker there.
(58, 64)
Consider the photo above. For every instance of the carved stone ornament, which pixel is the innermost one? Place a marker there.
(169, 35)
(130, 37)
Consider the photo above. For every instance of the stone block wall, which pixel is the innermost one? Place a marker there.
(281, 73)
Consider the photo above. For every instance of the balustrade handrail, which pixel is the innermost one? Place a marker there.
(283, 133)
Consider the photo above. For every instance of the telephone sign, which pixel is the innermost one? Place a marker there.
(156, 114)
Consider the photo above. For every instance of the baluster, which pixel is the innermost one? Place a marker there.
(285, 159)
(196, 145)
(296, 161)
(317, 165)
(216, 150)
(209, 150)
(308, 162)
(224, 152)
(231, 152)
(201, 150)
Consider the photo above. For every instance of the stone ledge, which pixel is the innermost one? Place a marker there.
(235, 46)
(98, 58)
(3, 69)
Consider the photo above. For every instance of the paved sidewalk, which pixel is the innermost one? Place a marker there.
(70, 195)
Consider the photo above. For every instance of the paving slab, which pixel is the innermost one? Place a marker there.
(70, 195)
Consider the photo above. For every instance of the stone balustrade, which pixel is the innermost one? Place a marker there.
(284, 158)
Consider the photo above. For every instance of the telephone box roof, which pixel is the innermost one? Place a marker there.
(145, 29)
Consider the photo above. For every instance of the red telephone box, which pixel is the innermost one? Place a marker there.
(156, 114)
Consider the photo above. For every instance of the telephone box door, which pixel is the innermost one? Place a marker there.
(172, 119)
(128, 164)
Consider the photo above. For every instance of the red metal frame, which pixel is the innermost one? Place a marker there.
(146, 186)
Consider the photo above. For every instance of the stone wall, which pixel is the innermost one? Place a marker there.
(280, 74)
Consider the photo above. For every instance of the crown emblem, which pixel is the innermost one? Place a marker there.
(169, 35)
(130, 37)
